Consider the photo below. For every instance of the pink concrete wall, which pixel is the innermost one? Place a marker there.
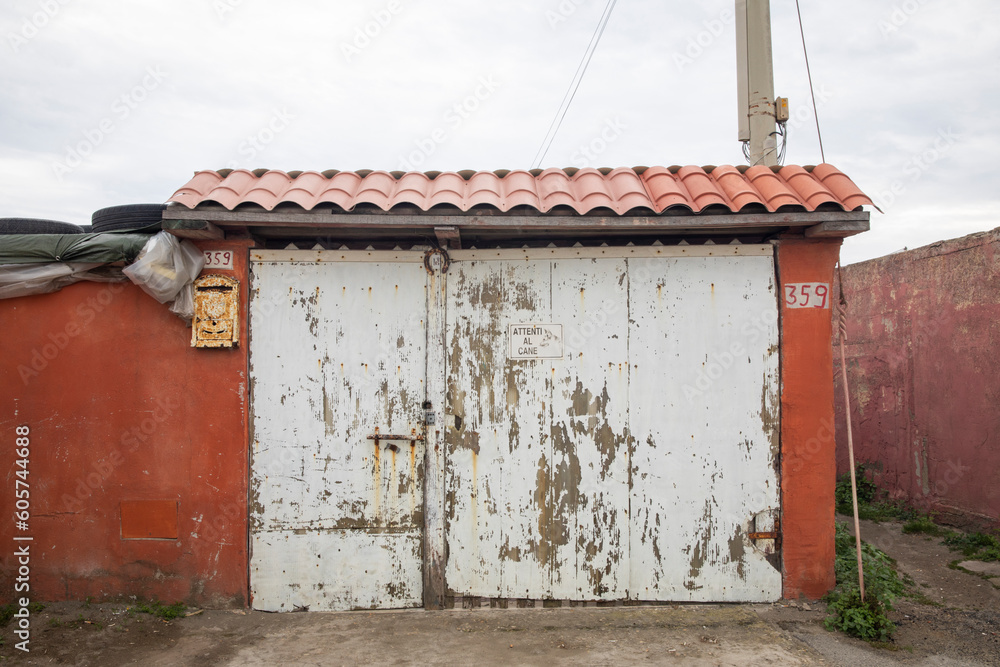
(923, 361)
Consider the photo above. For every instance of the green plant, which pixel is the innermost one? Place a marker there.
(866, 489)
(866, 619)
(870, 507)
(862, 619)
(6, 613)
(885, 511)
(924, 524)
(157, 608)
(974, 546)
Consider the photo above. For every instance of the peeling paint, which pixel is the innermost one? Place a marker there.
(325, 499)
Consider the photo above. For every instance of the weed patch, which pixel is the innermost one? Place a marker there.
(974, 546)
(160, 610)
(924, 524)
(870, 507)
(866, 619)
(7, 611)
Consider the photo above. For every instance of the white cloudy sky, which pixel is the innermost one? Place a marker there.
(105, 103)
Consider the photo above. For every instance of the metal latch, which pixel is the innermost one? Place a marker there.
(412, 438)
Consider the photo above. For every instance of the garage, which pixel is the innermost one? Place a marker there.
(519, 388)
(608, 423)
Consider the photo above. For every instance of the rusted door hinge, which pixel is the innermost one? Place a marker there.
(767, 534)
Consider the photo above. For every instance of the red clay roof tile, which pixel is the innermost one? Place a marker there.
(621, 190)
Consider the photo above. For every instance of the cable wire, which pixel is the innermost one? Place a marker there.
(812, 91)
(574, 85)
(783, 133)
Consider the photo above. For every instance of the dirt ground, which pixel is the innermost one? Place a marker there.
(956, 623)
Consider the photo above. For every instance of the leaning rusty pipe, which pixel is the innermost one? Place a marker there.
(850, 437)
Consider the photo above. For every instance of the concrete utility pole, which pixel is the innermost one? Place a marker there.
(756, 80)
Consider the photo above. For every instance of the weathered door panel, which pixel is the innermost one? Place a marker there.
(537, 468)
(337, 354)
(590, 431)
(704, 403)
(498, 436)
(631, 467)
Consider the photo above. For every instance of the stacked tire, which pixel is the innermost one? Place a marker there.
(129, 217)
(37, 226)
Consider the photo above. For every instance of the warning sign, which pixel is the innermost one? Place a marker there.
(535, 341)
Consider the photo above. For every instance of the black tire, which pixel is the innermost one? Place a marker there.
(33, 226)
(130, 217)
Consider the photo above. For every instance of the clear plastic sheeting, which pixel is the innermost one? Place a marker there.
(28, 279)
(165, 269)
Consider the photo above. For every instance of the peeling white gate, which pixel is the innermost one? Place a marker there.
(635, 464)
(610, 423)
(337, 355)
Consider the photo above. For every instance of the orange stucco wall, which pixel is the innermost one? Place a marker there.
(808, 470)
(121, 409)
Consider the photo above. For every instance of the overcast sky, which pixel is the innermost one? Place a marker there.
(105, 103)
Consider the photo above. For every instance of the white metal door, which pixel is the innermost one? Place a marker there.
(337, 355)
(635, 463)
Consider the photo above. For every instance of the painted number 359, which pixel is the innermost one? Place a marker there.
(218, 259)
(807, 295)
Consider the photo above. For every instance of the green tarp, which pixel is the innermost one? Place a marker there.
(89, 248)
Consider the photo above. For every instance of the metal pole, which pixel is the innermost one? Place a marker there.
(759, 79)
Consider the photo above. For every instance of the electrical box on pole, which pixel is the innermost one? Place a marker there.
(755, 81)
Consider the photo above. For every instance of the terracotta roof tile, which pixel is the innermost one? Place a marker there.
(737, 188)
(841, 186)
(775, 194)
(665, 190)
(702, 188)
(621, 190)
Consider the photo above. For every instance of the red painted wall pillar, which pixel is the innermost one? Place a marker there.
(137, 468)
(808, 443)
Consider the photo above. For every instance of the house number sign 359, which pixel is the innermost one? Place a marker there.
(807, 295)
(218, 259)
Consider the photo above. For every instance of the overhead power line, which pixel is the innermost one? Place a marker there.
(573, 86)
(812, 91)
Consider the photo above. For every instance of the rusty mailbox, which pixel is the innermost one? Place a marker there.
(216, 312)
